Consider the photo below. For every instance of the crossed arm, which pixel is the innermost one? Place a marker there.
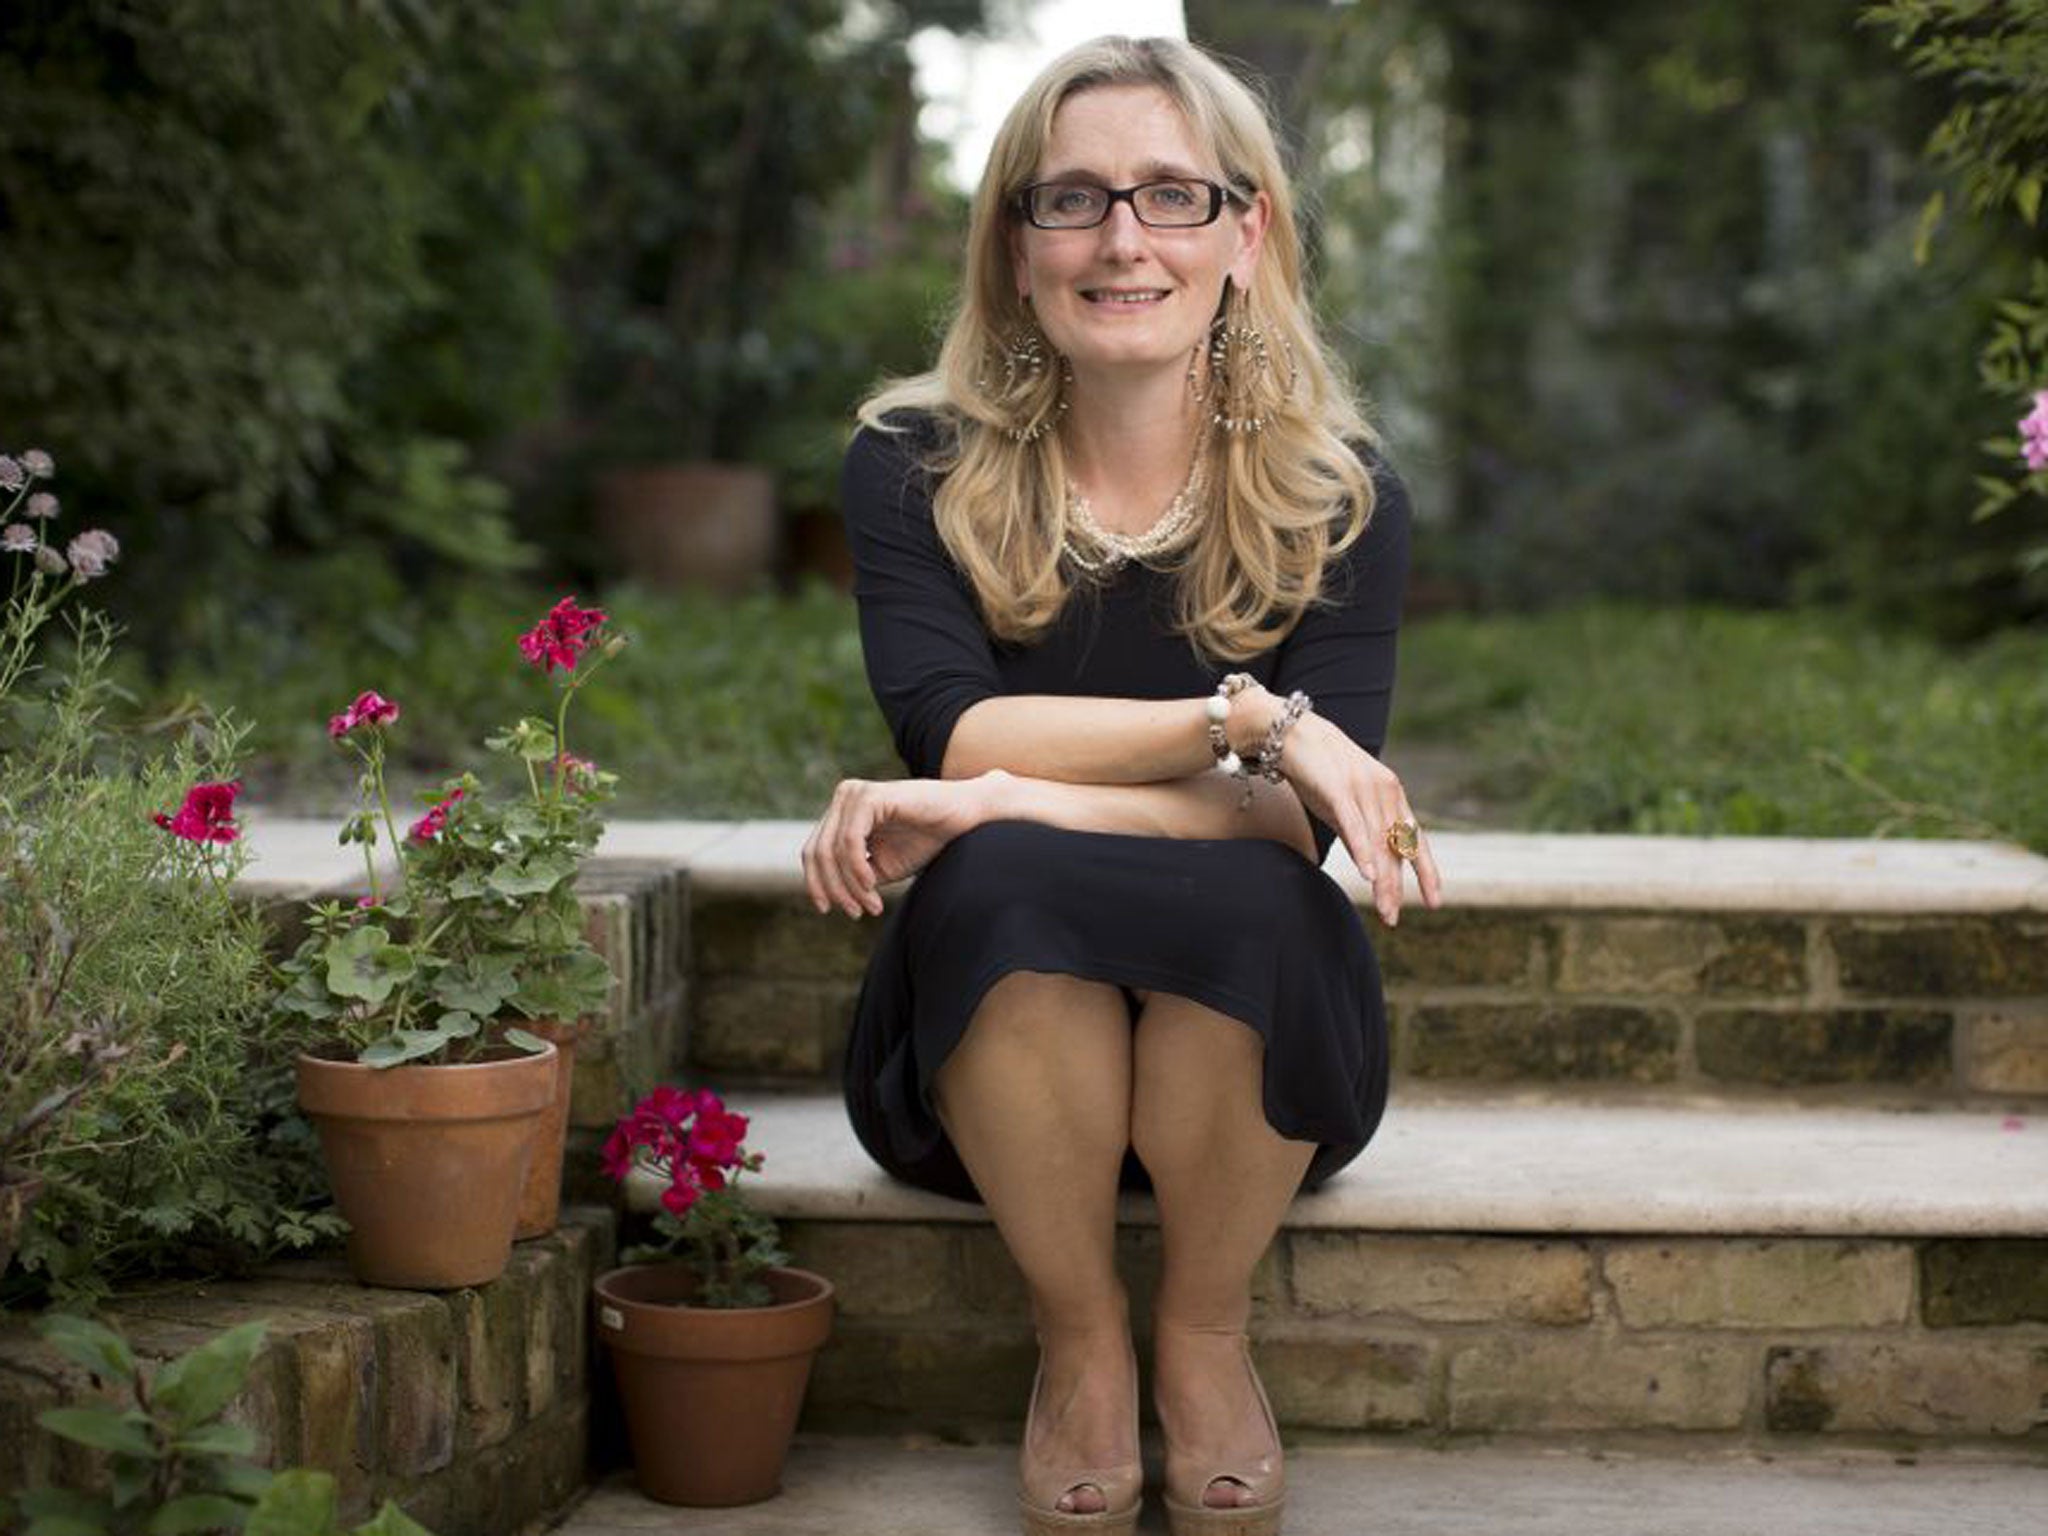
(1141, 766)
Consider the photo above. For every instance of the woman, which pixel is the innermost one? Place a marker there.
(1129, 578)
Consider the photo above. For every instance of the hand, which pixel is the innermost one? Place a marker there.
(1360, 797)
(873, 833)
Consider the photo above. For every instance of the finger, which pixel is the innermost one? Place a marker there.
(812, 884)
(1427, 874)
(831, 862)
(857, 869)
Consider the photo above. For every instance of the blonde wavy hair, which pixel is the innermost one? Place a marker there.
(1286, 498)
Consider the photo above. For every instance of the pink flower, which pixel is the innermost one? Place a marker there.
(207, 816)
(579, 773)
(49, 562)
(368, 709)
(716, 1135)
(558, 639)
(92, 552)
(18, 539)
(2034, 432)
(39, 463)
(12, 477)
(435, 822)
(681, 1194)
(42, 505)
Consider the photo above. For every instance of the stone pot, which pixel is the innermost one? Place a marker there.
(540, 1199)
(706, 525)
(428, 1163)
(711, 1393)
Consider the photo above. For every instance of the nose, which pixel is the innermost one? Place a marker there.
(1122, 236)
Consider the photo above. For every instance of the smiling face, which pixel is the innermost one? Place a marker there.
(1124, 296)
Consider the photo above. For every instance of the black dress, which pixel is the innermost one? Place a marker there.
(1243, 926)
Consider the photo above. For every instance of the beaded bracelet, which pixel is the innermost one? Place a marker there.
(1219, 739)
(1268, 760)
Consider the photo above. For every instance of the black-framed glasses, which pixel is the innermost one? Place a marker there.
(1171, 204)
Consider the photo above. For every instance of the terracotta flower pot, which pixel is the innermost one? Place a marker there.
(540, 1201)
(693, 524)
(711, 1394)
(427, 1163)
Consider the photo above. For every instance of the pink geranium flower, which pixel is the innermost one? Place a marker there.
(2034, 432)
(207, 816)
(435, 822)
(559, 639)
(370, 708)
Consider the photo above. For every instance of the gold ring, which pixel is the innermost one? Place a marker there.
(1403, 838)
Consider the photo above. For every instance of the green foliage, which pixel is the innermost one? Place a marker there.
(278, 265)
(732, 707)
(1655, 330)
(139, 1079)
(174, 1465)
(1706, 721)
(1993, 144)
(483, 921)
(715, 136)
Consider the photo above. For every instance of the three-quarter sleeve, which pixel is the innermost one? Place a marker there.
(928, 656)
(1342, 656)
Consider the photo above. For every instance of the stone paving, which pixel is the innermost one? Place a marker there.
(850, 1487)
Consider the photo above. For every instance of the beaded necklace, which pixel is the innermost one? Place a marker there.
(1096, 551)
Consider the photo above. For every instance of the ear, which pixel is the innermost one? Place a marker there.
(1251, 239)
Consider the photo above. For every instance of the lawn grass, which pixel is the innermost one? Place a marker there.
(1597, 718)
(1613, 718)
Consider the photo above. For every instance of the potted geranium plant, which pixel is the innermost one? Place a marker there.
(435, 989)
(711, 1333)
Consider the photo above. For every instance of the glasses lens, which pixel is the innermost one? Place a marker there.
(1172, 203)
(1062, 205)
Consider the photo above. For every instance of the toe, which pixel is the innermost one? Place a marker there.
(1084, 1499)
(1224, 1493)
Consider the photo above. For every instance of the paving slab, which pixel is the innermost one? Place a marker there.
(1577, 871)
(844, 1487)
(1545, 1167)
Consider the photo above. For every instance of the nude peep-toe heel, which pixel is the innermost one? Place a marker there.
(1264, 1476)
(1043, 1486)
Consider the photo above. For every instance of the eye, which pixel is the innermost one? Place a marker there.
(1172, 194)
(1072, 198)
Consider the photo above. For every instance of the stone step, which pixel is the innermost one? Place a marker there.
(1839, 971)
(471, 1408)
(1738, 1274)
(878, 1487)
(1808, 970)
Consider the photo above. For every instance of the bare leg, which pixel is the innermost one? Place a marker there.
(1223, 1178)
(1036, 1098)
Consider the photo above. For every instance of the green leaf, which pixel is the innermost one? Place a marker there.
(237, 1440)
(478, 985)
(197, 1385)
(525, 1040)
(103, 1429)
(61, 1512)
(297, 1503)
(365, 964)
(198, 1512)
(543, 872)
(242, 1480)
(391, 1521)
(1930, 220)
(93, 1345)
(2027, 195)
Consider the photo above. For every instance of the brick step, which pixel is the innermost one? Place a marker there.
(1837, 971)
(1738, 1275)
(1814, 971)
(470, 1408)
(876, 1487)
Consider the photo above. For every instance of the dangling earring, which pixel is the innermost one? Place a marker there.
(1242, 380)
(1022, 394)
